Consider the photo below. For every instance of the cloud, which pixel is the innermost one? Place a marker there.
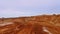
(27, 3)
(15, 13)
(13, 8)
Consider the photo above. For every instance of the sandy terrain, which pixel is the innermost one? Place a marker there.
(44, 24)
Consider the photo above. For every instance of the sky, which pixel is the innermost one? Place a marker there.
(18, 8)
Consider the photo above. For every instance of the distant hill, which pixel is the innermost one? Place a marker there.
(40, 24)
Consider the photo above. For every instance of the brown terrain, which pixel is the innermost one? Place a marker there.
(41, 24)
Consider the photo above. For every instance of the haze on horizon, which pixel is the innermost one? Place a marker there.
(17, 8)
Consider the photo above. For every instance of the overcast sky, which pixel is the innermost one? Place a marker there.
(15, 8)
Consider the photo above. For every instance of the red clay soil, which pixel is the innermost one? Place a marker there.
(44, 24)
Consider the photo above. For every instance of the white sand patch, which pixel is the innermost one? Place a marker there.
(6, 23)
(44, 29)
